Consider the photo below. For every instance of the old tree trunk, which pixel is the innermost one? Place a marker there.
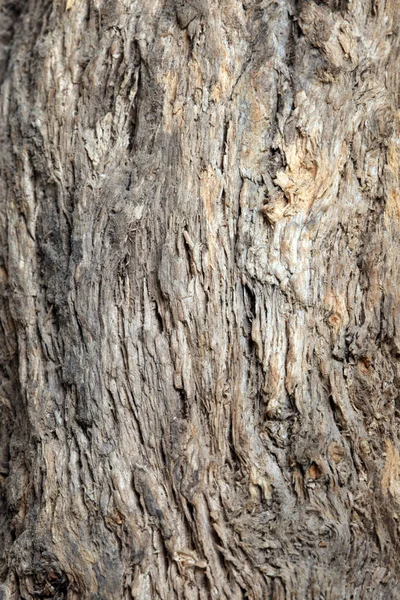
(200, 313)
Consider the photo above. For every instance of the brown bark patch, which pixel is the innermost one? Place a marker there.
(391, 472)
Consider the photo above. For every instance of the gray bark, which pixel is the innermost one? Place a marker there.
(200, 326)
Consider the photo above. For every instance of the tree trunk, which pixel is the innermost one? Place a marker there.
(200, 313)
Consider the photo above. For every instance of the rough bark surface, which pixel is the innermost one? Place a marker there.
(200, 309)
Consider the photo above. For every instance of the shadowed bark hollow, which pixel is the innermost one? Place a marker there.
(199, 281)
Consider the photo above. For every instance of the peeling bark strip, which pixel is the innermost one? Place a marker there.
(200, 320)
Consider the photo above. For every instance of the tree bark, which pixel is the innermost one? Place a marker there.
(200, 326)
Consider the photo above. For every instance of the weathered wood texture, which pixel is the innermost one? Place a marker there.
(200, 326)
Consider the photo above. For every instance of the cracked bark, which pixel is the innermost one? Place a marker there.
(200, 326)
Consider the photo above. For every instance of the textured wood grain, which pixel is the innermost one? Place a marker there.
(200, 325)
